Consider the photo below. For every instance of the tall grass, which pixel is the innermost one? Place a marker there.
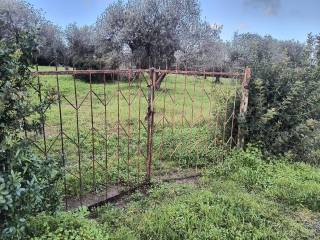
(185, 117)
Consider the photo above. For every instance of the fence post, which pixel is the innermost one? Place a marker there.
(150, 119)
(243, 104)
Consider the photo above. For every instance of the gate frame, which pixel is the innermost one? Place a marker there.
(151, 84)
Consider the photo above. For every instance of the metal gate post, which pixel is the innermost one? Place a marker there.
(150, 119)
(243, 104)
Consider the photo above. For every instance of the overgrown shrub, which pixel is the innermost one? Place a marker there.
(284, 113)
(27, 183)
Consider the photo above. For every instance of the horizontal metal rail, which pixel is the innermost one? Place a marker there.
(201, 73)
(125, 71)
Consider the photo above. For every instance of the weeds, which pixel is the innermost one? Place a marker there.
(294, 184)
(242, 197)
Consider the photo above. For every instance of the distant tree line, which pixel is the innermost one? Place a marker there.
(152, 33)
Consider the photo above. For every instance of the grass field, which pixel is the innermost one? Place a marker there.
(186, 110)
(243, 197)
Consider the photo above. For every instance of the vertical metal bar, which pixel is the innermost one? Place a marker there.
(62, 139)
(210, 99)
(193, 136)
(150, 118)
(211, 110)
(193, 97)
(163, 117)
(78, 138)
(202, 118)
(129, 126)
(183, 115)
(184, 99)
(42, 118)
(174, 99)
(92, 135)
(118, 127)
(225, 122)
(139, 129)
(233, 117)
(203, 94)
(105, 134)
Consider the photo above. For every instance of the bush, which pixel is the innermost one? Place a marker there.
(27, 183)
(283, 114)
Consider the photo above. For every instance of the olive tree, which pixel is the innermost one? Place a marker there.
(202, 47)
(254, 50)
(23, 17)
(81, 46)
(20, 16)
(51, 44)
(151, 28)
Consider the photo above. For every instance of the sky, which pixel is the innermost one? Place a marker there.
(283, 19)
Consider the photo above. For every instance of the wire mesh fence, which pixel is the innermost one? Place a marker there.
(194, 117)
(112, 130)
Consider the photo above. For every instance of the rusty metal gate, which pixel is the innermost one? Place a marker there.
(113, 130)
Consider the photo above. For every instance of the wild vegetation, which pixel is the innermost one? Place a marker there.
(27, 183)
(268, 190)
(166, 133)
(243, 197)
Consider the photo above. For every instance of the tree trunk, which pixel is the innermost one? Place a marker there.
(159, 79)
(217, 80)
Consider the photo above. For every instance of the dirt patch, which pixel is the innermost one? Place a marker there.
(119, 195)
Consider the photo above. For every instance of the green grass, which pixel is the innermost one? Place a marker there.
(185, 107)
(295, 184)
(241, 195)
(233, 200)
(182, 100)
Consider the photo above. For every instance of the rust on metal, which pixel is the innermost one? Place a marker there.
(138, 141)
(150, 120)
(244, 103)
(124, 71)
(62, 140)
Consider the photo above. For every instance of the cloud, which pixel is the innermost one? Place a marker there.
(269, 7)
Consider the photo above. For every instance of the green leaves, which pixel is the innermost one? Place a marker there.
(282, 102)
(27, 183)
